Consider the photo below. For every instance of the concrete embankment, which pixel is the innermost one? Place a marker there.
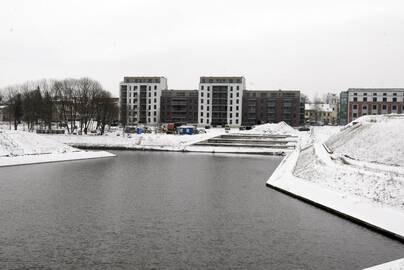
(385, 220)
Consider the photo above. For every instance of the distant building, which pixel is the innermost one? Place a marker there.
(3, 113)
(271, 106)
(343, 108)
(321, 114)
(179, 106)
(333, 101)
(365, 101)
(140, 100)
(220, 100)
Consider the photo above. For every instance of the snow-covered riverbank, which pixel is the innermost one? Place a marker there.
(20, 148)
(357, 172)
(173, 142)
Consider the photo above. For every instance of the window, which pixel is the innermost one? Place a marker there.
(238, 87)
(208, 88)
(236, 121)
(355, 94)
(231, 88)
(365, 94)
(236, 114)
(155, 113)
(208, 95)
(237, 94)
(375, 99)
(201, 121)
(155, 120)
(394, 99)
(155, 94)
(155, 100)
(355, 107)
(149, 94)
(201, 100)
(384, 107)
(364, 107)
(201, 94)
(236, 108)
(201, 89)
(384, 99)
(365, 99)
(384, 94)
(354, 115)
(231, 102)
(149, 107)
(394, 94)
(355, 99)
(231, 122)
(155, 88)
(237, 101)
(374, 107)
(394, 107)
(155, 107)
(207, 102)
(201, 107)
(201, 114)
(149, 89)
(231, 115)
(231, 109)
(148, 119)
(207, 115)
(375, 94)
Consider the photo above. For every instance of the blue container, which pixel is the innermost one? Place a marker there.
(139, 130)
(185, 130)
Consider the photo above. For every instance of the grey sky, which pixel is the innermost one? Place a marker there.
(313, 46)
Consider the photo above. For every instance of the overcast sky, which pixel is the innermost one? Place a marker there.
(313, 46)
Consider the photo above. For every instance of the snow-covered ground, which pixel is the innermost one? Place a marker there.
(168, 142)
(19, 147)
(360, 169)
(173, 142)
(393, 265)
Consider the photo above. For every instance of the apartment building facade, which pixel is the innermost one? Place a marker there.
(271, 106)
(179, 106)
(140, 100)
(370, 101)
(220, 101)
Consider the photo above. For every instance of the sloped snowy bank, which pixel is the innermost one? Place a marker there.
(19, 147)
(360, 168)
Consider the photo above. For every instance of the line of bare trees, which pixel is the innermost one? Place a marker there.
(72, 103)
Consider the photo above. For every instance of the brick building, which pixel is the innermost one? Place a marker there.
(365, 101)
(271, 106)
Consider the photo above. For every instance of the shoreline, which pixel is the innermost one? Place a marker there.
(52, 158)
(363, 213)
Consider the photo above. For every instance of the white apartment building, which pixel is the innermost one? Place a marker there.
(140, 99)
(220, 101)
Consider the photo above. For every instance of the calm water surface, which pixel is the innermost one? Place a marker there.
(171, 210)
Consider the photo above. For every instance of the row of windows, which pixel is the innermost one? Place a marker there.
(230, 121)
(135, 87)
(374, 107)
(136, 100)
(231, 101)
(375, 94)
(374, 99)
(231, 88)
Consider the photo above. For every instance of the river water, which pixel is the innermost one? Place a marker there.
(171, 210)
